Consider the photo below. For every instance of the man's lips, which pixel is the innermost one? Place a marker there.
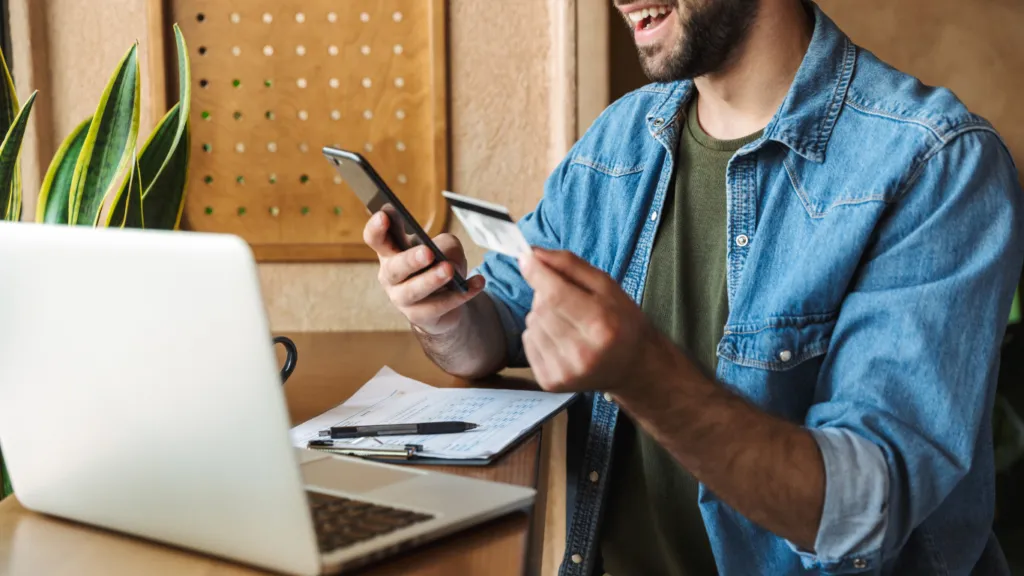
(645, 16)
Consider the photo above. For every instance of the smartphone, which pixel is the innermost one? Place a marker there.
(404, 231)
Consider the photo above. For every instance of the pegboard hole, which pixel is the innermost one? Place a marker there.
(203, 83)
(268, 17)
(399, 82)
(202, 50)
(367, 83)
(300, 17)
(365, 50)
(300, 50)
(236, 17)
(236, 50)
(269, 115)
(402, 179)
(400, 114)
(335, 115)
(205, 115)
(237, 115)
(240, 148)
(208, 210)
(200, 17)
(268, 83)
(334, 83)
(303, 147)
(398, 49)
(240, 179)
(304, 210)
(236, 82)
(337, 210)
(368, 147)
(274, 211)
(241, 210)
(397, 16)
(268, 50)
(332, 17)
(272, 147)
(364, 17)
(303, 115)
(207, 148)
(337, 179)
(400, 146)
(272, 178)
(208, 179)
(304, 179)
(368, 114)
(332, 50)
(301, 83)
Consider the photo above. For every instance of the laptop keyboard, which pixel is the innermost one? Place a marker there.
(341, 522)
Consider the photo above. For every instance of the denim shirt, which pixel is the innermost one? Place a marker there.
(874, 242)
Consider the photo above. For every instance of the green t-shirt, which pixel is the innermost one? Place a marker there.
(652, 523)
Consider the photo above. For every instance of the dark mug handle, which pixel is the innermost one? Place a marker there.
(291, 357)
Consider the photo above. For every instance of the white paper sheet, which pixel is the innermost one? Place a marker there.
(389, 398)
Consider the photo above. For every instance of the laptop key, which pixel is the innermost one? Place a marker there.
(342, 522)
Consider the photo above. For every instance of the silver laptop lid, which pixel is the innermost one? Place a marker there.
(139, 391)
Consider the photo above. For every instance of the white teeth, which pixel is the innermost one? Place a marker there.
(662, 11)
(635, 17)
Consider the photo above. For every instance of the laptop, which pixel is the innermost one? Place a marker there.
(140, 392)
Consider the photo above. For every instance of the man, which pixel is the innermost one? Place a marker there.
(783, 270)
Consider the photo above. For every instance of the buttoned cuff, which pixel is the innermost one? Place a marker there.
(855, 515)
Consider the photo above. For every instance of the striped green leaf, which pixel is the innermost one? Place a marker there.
(165, 157)
(127, 209)
(107, 153)
(10, 185)
(5, 479)
(55, 193)
(8, 98)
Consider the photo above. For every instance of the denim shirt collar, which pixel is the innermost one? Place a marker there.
(809, 112)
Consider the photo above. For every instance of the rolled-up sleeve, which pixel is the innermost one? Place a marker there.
(505, 285)
(911, 369)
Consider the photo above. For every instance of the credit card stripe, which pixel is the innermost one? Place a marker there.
(480, 210)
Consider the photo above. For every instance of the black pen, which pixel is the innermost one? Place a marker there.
(337, 432)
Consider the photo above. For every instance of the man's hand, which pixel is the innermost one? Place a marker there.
(583, 332)
(420, 296)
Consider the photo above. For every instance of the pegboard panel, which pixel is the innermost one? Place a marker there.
(274, 81)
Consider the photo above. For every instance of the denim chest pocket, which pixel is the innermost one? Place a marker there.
(778, 344)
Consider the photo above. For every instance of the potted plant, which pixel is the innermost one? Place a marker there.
(100, 176)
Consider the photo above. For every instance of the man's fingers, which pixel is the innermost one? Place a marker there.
(375, 235)
(395, 269)
(574, 269)
(422, 285)
(535, 357)
(429, 309)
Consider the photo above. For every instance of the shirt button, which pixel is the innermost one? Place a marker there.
(785, 355)
(658, 122)
(608, 397)
(577, 559)
(860, 563)
(742, 240)
(594, 476)
(654, 216)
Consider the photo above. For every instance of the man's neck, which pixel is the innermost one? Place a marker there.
(741, 99)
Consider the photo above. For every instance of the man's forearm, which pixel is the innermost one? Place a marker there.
(768, 469)
(475, 347)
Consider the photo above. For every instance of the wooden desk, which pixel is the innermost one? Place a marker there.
(331, 367)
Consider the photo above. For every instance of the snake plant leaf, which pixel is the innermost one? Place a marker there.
(164, 196)
(107, 153)
(8, 98)
(55, 193)
(127, 209)
(5, 480)
(10, 186)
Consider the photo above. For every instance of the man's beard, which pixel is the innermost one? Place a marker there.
(712, 31)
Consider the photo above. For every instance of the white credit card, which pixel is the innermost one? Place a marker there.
(489, 225)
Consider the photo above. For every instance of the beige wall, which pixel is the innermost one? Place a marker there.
(510, 75)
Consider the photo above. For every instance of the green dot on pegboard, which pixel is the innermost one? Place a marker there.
(240, 179)
(304, 178)
(274, 210)
(208, 179)
(236, 82)
(209, 210)
(241, 210)
(207, 147)
(205, 115)
(337, 210)
(305, 210)
(237, 115)
(268, 83)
